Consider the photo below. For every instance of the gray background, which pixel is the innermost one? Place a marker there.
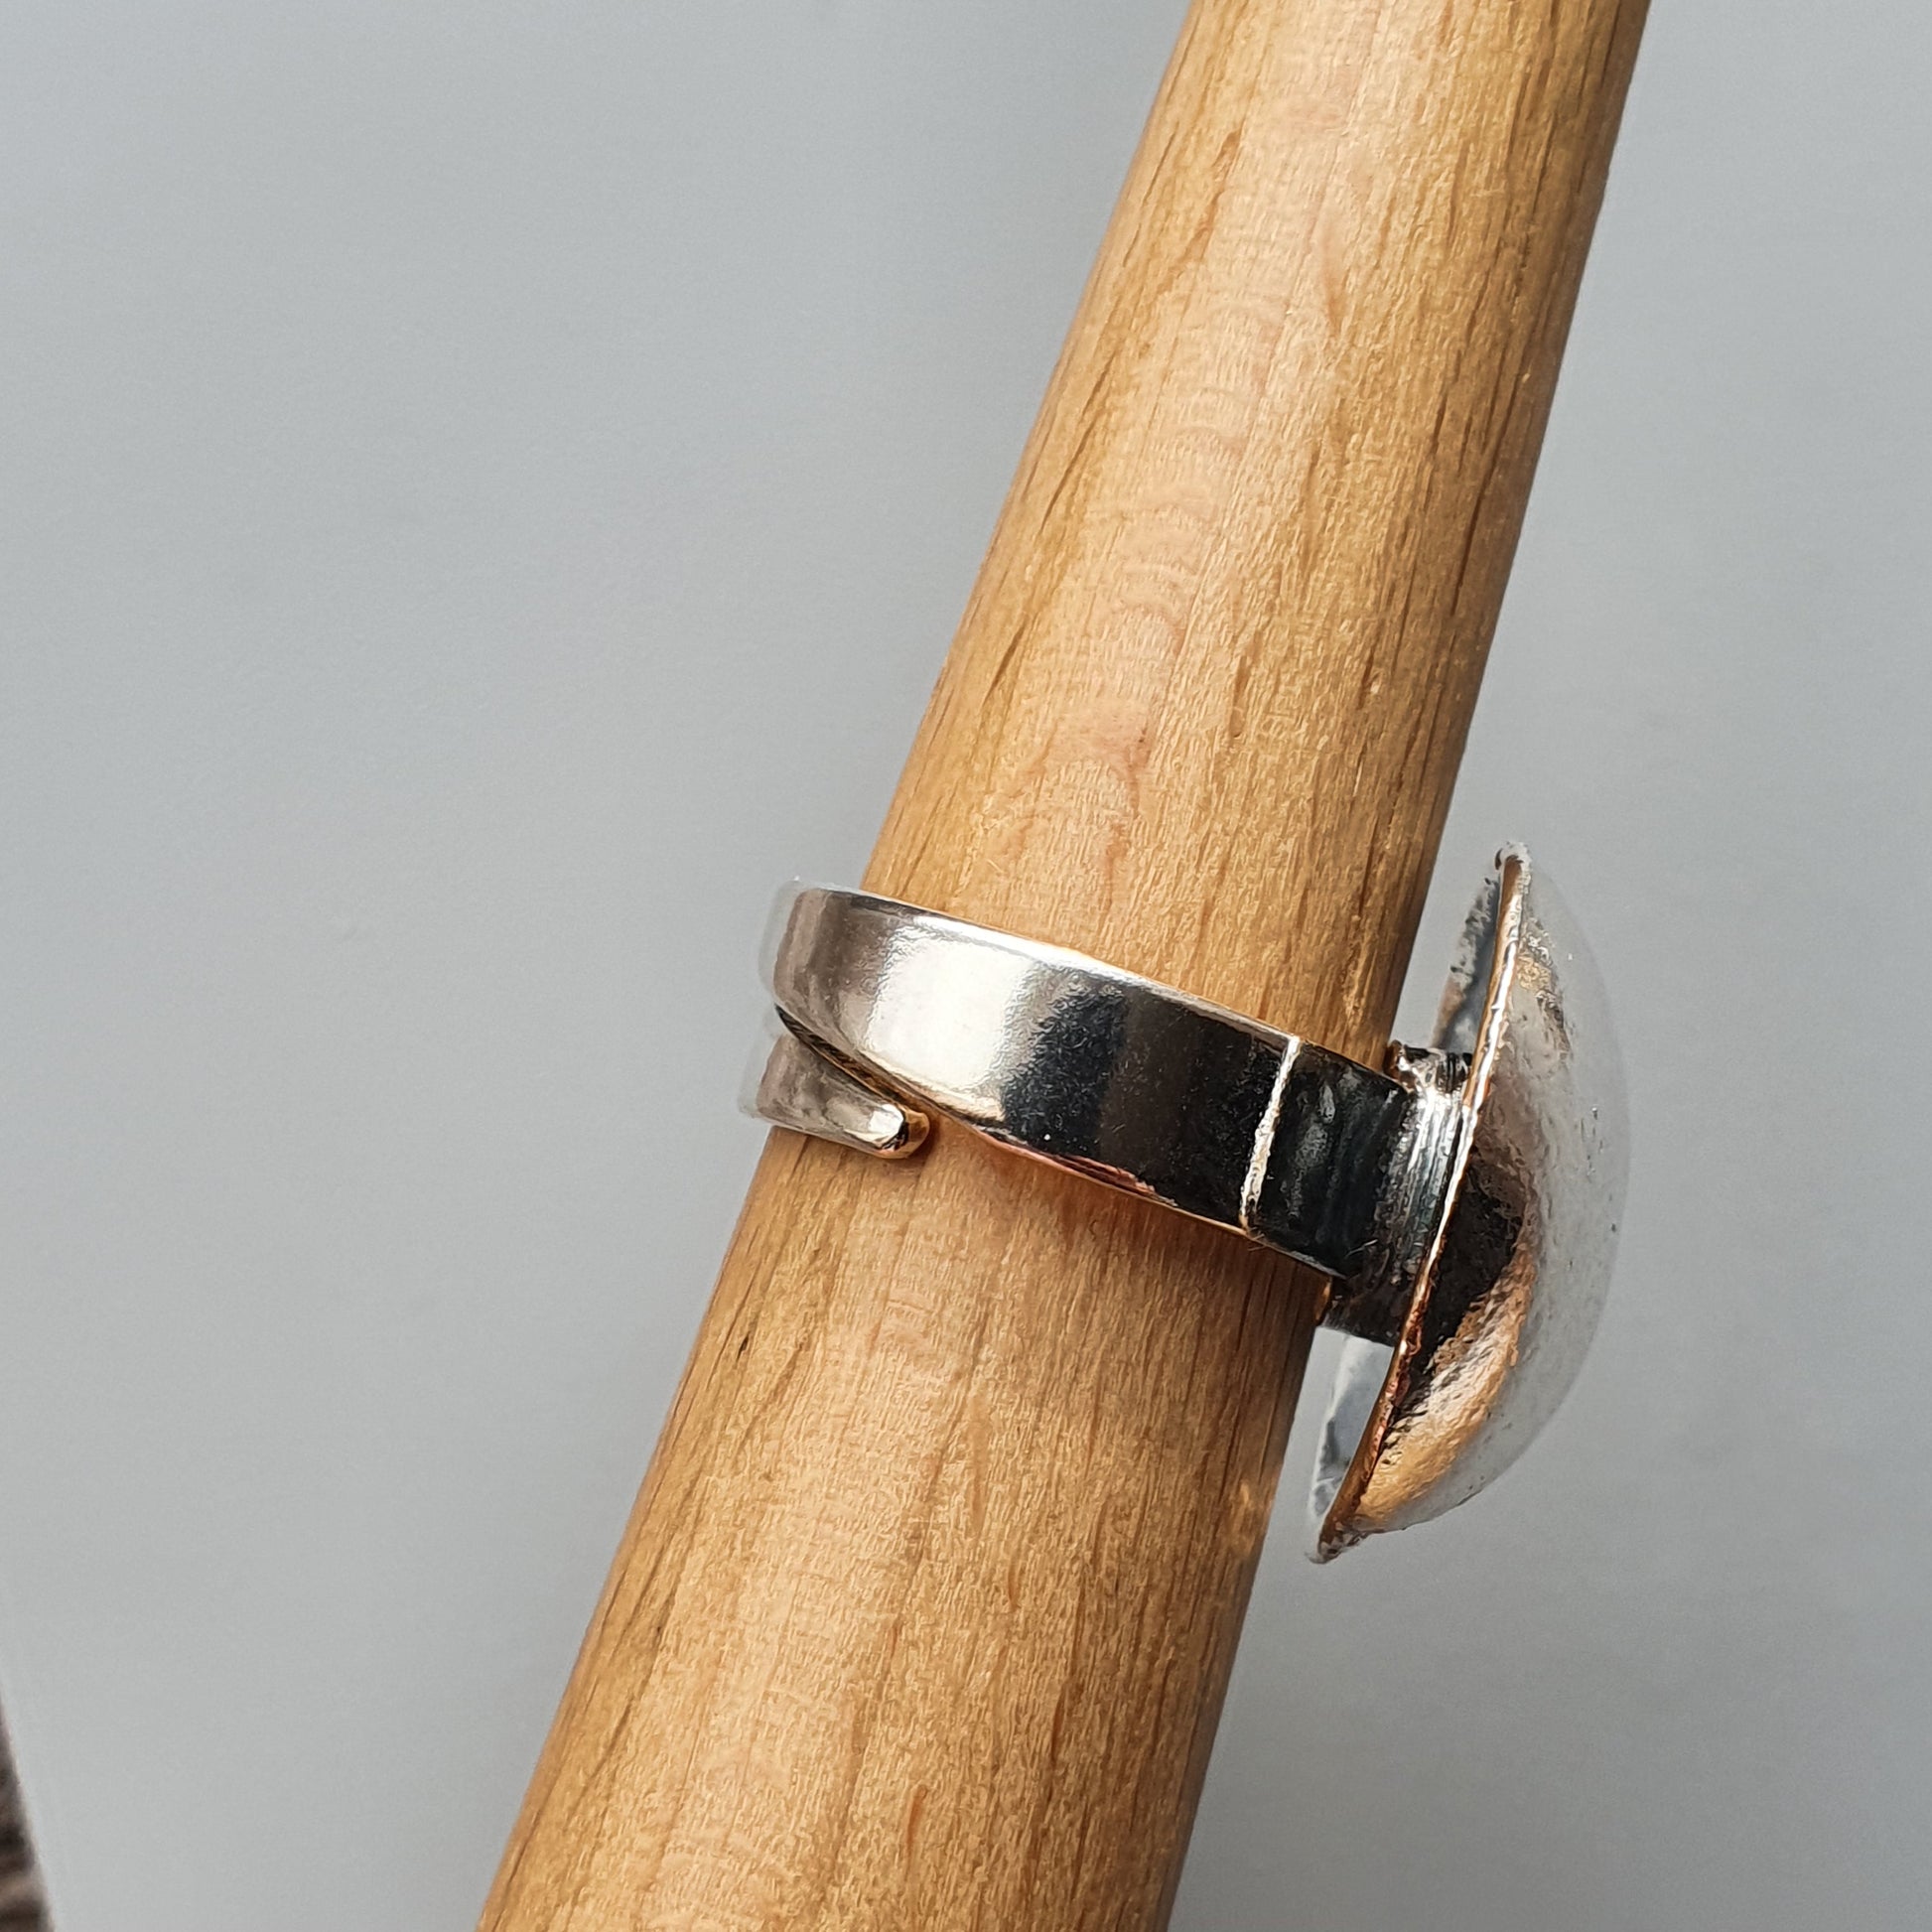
(487, 488)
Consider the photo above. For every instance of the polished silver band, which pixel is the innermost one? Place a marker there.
(893, 1012)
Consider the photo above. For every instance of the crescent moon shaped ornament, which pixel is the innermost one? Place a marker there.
(1463, 1200)
(1519, 1260)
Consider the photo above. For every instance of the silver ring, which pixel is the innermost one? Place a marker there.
(1462, 1200)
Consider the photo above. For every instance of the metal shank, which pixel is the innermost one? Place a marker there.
(1110, 1076)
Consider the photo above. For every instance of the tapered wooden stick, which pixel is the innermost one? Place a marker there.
(926, 1608)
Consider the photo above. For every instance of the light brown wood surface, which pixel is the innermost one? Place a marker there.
(926, 1608)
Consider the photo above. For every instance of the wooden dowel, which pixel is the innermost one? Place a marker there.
(926, 1608)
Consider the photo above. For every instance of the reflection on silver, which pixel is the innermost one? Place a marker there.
(1464, 1201)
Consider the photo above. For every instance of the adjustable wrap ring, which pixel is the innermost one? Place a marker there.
(1462, 1200)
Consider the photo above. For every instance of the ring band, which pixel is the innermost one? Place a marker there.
(893, 1012)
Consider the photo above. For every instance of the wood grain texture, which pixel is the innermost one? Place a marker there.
(925, 1612)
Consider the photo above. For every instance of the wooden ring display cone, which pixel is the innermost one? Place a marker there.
(926, 1608)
